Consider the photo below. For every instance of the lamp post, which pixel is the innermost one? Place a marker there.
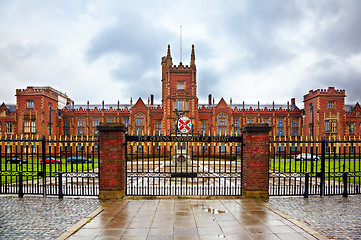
(59, 115)
(312, 124)
(312, 132)
(51, 110)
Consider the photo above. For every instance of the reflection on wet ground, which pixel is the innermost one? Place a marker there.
(214, 211)
(189, 219)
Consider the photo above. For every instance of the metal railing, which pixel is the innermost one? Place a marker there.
(184, 165)
(320, 167)
(63, 167)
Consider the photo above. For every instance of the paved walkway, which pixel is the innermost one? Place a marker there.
(36, 217)
(189, 219)
(334, 216)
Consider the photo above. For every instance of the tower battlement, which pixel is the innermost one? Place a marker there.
(331, 91)
(47, 91)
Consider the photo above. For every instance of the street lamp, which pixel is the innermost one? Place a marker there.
(50, 123)
(51, 110)
(312, 124)
(312, 132)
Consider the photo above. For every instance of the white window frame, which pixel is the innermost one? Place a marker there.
(222, 119)
(181, 86)
(331, 105)
(29, 104)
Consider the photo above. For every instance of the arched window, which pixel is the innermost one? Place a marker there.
(139, 124)
(222, 124)
(222, 119)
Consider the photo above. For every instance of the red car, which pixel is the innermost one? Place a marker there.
(50, 160)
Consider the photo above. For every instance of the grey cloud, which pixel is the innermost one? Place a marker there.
(207, 82)
(328, 73)
(324, 64)
(249, 28)
(139, 47)
(255, 30)
(14, 54)
(348, 79)
(340, 32)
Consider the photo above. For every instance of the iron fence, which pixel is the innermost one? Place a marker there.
(322, 167)
(63, 167)
(184, 164)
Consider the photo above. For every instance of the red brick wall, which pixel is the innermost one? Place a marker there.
(320, 99)
(9, 117)
(255, 160)
(40, 111)
(112, 158)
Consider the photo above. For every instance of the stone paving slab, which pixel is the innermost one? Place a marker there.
(191, 219)
(333, 216)
(35, 217)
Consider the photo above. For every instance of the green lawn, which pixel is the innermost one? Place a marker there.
(338, 166)
(9, 172)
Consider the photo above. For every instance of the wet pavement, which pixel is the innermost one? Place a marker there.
(334, 216)
(191, 219)
(35, 217)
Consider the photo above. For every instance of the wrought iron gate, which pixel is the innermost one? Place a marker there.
(184, 164)
(63, 167)
(325, 167)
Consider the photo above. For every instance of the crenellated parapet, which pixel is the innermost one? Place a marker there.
(156, 108)
(205, 108)
(96, 110)
(265, 110)
(114, 110)
(331, 91)
(40, 91)
(181, 67)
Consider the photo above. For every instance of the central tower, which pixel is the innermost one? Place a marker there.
(179, 91)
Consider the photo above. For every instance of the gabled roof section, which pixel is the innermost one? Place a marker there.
(222, 106)
(222, 103)
(349, 108)
(356, 107)
(10, 108)
(139, 103)
(139, 106)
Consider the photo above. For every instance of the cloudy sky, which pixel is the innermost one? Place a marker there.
(247, 49)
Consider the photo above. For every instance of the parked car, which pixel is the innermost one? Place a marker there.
(306, 156)
(78, 159)
(50, 160)
(16, 161)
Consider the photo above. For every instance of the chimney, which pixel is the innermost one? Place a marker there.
(210, 99)
(293, 101)
(151, 99)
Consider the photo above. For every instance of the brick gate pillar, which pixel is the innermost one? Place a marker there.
(255, 160)
(112, 160)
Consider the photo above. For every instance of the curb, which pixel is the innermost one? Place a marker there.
(73, 229)
(298, 223)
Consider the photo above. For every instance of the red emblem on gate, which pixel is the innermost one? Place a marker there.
(184, 124)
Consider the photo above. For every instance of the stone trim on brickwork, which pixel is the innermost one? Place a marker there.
(112, 127)
(256, 127)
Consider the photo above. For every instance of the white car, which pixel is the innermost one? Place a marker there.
(306, 156)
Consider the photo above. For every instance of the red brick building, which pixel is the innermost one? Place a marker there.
(46, 111)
